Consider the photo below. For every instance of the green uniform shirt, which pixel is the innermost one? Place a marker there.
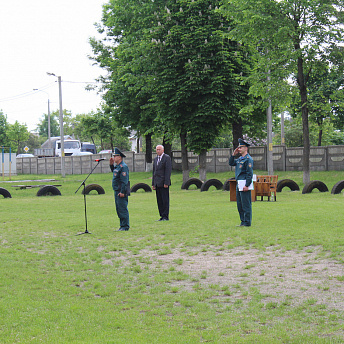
(120, 178)
(243, 168)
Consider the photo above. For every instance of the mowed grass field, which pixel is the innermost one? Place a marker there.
(195, 279)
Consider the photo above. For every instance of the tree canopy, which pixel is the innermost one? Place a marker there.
(291, 36)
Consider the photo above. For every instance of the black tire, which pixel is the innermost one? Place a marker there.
(192, 181)
(287, 183)
(211, 182)
(48, 190)
(139, 186)
(226, 184)
(5, 193)
(93, 187)
(338, 187)
(314, 184)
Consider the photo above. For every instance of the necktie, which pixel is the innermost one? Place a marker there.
(159, 157)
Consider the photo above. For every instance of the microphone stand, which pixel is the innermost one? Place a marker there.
(83, 183)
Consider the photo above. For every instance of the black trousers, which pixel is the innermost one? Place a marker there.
(163, 200)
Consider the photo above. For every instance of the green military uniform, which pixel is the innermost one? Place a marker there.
(243, 171)
(120, 184)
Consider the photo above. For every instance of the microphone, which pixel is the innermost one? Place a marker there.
(101, 159)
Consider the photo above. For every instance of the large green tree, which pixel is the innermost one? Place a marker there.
(291, 35)
(198, 89)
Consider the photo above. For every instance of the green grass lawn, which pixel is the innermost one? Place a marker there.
(195, 279)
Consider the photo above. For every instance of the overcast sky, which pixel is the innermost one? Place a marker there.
(40, 36)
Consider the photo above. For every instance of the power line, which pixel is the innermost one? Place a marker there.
(26, 94)
(30, 93)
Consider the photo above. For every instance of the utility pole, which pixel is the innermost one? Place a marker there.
(63, 170)
(49, 131)
(270, 162)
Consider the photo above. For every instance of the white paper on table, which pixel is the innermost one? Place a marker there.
(242, 183)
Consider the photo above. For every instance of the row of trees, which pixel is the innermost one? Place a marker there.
(190, 68)
(97, 128)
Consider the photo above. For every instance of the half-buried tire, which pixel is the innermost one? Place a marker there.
(226, 184)
(314, 184)
(338, 187)
(287, 183)
(5, 193)
(93, 187)
(192, 181)
(48, 190)
(211, 182)
(139, 186)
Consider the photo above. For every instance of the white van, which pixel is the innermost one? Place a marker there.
(70, 147)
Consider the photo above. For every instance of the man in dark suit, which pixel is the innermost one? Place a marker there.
(162, 168)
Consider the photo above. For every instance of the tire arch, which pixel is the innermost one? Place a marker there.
(139, 186)
(48, 190)
(287, 183)
(338, 187)
(5, 193)
(93, 187)
(211, 182)
(192, 181)
(314, 184)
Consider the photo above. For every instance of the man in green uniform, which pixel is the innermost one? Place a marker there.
(121, 187)
(243, 172)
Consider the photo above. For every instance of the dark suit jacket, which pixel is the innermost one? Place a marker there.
(162, 172)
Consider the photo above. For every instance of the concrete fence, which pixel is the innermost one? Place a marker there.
(330, 158)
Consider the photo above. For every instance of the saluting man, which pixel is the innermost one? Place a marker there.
(243, 171)
(121, 187)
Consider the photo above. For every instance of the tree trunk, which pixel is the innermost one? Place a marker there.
(138, 144)
(149, 148)
(168, 146)
(236, 132)
(320, 135)
(92, 140)
(185, 161)
(304, 111)
(149, 160)
(202, 170)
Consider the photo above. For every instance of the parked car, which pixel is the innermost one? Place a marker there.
(25, 155)
(105, 151)
(82, 153)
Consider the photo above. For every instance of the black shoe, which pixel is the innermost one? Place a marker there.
(159, 219)
(122, 229)
(241, 225)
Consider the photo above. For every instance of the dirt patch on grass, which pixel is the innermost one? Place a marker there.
(278, 275)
